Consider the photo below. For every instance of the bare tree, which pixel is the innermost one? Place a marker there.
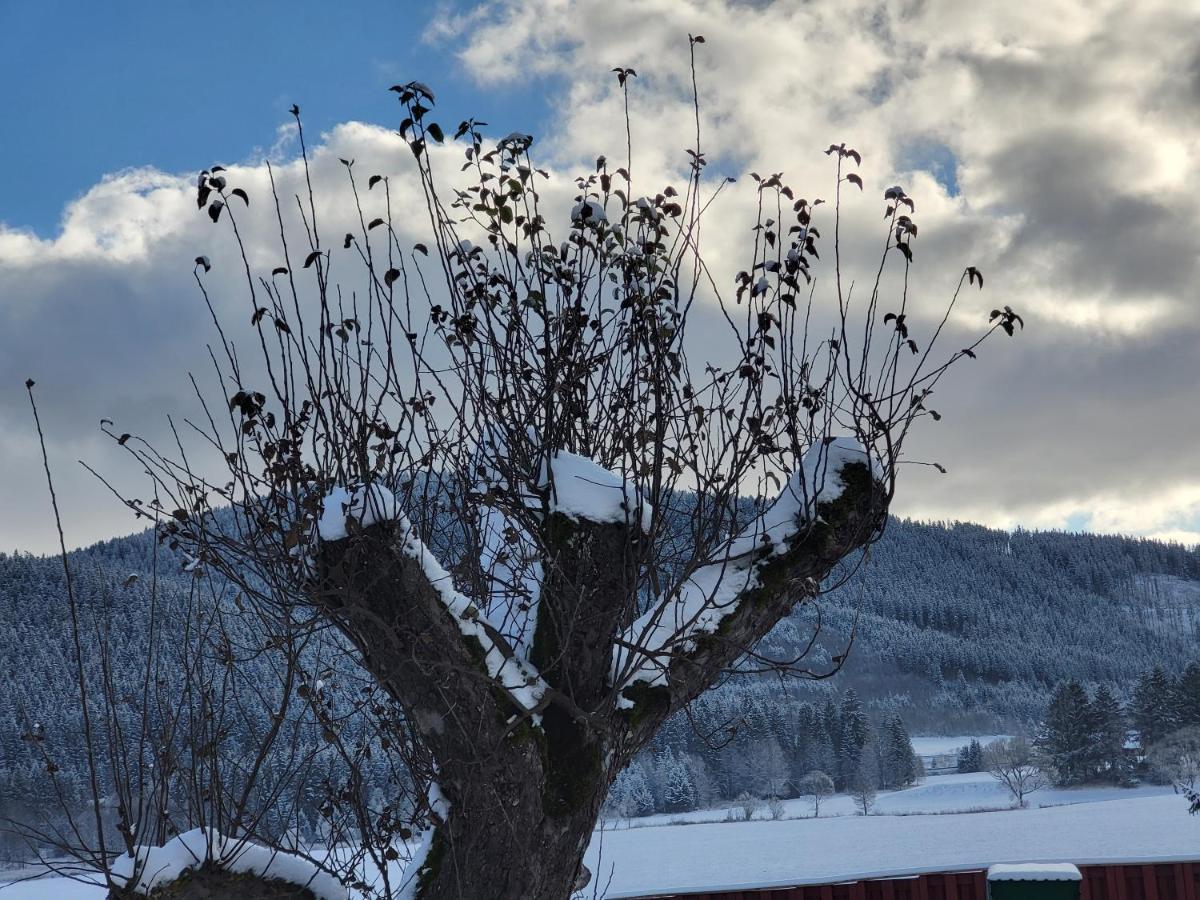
(1012, 762)
(816, 786)
(864, 786)
(776, 808)
(748, 804)
(1176, 759)
(496, 465)
(196, 738)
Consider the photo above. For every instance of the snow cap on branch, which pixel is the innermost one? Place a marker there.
(439, 808)
(158, 866)
(361, 505)
(713, 590)
(585, 490)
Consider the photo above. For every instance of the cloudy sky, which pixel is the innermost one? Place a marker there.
(1054, 144)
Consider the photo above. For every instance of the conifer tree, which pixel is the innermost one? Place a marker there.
(1108, 737)
(679, 794)
(1187, 697)
(970, 757)
(1154, 710)
(855, 732)
(1065, 736)
(898, 764)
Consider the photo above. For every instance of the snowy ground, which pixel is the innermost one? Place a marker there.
(637, 862)
(922, 828)
(940, 794)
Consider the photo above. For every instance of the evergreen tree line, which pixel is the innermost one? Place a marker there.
(765, 754)
(971, 757)
(1094, 738)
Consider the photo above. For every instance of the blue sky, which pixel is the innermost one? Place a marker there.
(93, 88)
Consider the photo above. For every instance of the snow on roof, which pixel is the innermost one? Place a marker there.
(162, 865)
(1034, 872)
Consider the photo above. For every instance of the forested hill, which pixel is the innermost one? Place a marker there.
(958, 629)
(960, 626)
(973, 626)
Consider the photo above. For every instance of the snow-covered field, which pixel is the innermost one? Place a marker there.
(940, 794)
(918, 829)
(765, 854)
(924, 746)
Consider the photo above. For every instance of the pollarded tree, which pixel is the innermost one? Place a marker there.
(506, 468)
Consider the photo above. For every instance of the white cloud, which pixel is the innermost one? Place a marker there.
(1076, 154)
(1077, 162)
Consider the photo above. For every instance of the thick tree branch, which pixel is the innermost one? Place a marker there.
(843, 525)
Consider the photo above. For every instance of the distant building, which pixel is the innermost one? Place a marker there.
(1134, 751)
(940, 763)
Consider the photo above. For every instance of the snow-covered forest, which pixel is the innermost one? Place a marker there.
(961, 629)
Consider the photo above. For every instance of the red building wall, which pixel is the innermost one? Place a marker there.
(1158, 881)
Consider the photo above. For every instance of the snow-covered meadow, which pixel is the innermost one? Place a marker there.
(1142, 825)
(948, 822)
(935, 795)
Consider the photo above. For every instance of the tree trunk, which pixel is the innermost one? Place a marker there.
(508, 848)
(524, 786)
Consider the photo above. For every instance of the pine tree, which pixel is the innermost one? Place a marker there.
(970, 757)
(1066, 732)
(1154, 708)
(978, 759)
(630, 795)
(679, 794)
(898, 764)
(855, 733)
(832, 726)
(1187, 697)
(1108, 736)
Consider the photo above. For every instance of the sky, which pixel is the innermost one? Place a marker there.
(1054, 144)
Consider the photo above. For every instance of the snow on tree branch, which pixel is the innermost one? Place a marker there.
(582, 489)
(713, 590)
(517, 677)
(151, 868)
